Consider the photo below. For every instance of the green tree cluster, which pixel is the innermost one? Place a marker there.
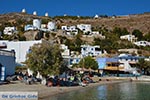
(88, 62)
(144, 66)
(120, 31)
(147, 37)
(138, 34)
(75, 44)
(45, 58)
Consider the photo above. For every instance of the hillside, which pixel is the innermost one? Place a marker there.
(131, 22)
(13, 17)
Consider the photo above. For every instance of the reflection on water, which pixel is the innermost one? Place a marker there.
(121, 91)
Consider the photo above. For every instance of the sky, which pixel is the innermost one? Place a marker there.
(76, 7)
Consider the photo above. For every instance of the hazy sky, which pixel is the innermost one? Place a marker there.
(76, 7)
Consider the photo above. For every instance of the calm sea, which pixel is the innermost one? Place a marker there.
(120, 91)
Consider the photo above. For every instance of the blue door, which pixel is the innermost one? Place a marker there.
(2, 73)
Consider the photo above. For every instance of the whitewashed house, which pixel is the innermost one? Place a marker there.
(37, 23)
(85, 28)
(70, 30)
(129, 58)
(51, 26)
(87, 50)
(29, 27)
(21, 48)
(142, 43)
(129, 62)
(69, 57)
(129, 37)
(95, 32)
(96, 16)
(9, 30)
(66, 51)
(74, 60)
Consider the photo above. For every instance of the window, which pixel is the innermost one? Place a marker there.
(84, 49)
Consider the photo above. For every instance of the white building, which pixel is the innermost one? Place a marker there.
(96, 16)
(74, 60)
(70, 30)
(46, 14)
(66, 51)
(21, 48)
(23, 10)
(129, 62)
(29, 27)
(51, 26)
(35, 13)
(129, 58)
(142, 43)
(84, 27)
(37, 23)
(129, 37)
(9, 30)
(95, 32)
(87, 50)
(64, 28)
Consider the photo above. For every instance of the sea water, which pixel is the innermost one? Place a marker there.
(117, 91)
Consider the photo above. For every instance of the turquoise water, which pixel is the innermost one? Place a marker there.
(120, 91)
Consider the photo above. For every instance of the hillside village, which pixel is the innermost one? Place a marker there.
(78, 38)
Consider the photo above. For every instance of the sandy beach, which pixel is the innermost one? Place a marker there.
(45, 92)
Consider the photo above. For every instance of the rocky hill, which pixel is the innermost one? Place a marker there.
(131, 22)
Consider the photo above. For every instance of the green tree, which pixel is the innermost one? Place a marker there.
(45, 58)
(144, 66)
(125, 31)
(45, 21)
(138, 34)
(147, 37)
(75, 44)
(119, 31)
(88, 62)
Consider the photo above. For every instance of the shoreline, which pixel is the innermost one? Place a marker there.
(63, 90)
(46, 92)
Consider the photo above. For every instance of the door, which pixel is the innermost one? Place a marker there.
(2, 73)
